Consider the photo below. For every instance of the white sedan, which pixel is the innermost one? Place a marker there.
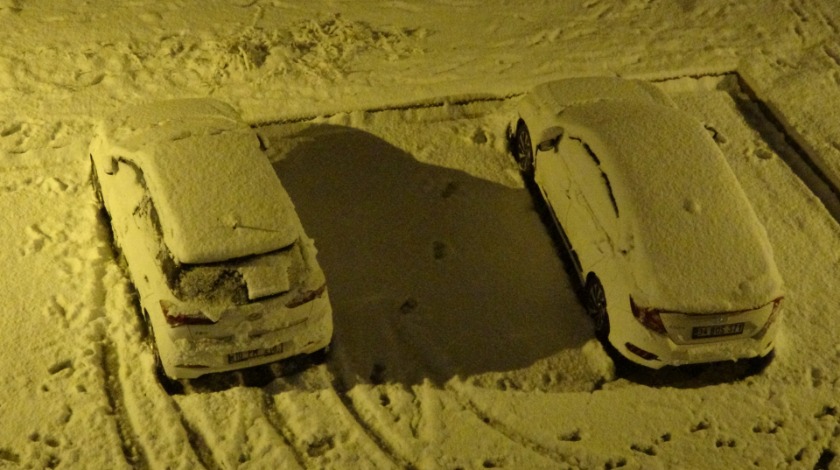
(675, 266)
(226, 276)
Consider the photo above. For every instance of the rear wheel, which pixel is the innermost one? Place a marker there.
(170, 385)
(150, 341)
(596, 304)
(320, 356)
(522, 149)
(97, 189)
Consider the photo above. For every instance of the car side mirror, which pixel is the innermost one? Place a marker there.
(112, 166)
(549, 139)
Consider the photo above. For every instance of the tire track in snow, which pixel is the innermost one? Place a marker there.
(807, 13)
(201, 451)
(773, 129)
(286, 434)
(197, 442)
(802, 16)
(129, 379)
(779, 135)
(131, 448)
(87, 276)
(511, 434)
(314, 446)
(828, 20)
(341, 390)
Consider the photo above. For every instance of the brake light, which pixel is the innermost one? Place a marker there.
(175, 317)
(777, 307)
(306, 296)
(649, 317)
(646, 355)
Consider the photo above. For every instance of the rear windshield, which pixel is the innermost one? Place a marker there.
(222, 282)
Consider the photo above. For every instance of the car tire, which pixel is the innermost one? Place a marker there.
(596, 305)
(523, 151)
(320, 356)
(97, 190)
(150, 339)
(170, 385)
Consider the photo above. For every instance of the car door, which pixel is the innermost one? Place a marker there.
(591, 218)
(123, 192)
(552, 175)
(132, 219)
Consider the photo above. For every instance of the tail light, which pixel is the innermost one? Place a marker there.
(306, 296)
(777, 307)
(175, 317)
(649, 317)
(646, 355)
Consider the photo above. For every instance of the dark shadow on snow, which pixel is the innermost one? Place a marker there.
(690, 375)
(432, 273)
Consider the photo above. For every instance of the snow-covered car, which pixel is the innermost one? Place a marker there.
(225, 274)
(674, 264)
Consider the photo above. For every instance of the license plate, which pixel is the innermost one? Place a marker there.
(245, 355)
(700, 332)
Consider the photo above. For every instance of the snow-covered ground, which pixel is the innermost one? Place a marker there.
(459, 340)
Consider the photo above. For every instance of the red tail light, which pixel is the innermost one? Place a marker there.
(646, 355)
(649, 317)
(777, 307)
(178, 318)
(306, 296)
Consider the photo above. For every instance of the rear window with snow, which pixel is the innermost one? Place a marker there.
(237, 282)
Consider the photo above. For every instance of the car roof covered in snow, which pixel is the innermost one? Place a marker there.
(216, 193)
(559, 94)
(701, 245)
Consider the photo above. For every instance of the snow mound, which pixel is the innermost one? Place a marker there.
(326, 48)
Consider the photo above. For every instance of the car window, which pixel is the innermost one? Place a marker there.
(219, 282)
(599, 189)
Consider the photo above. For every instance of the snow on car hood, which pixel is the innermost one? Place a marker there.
(696, 244)
(216, 194)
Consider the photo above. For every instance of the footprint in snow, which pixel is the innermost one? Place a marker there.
(439, 250)
(451, 188)
(647, 450)
(409, 305)
(724, 442)
(321, 446)
(770, 427)
(56, 309)
(573, 436)
(8, 455)
(613, 464)
(54, 185)
(36, 240)
(701, 426)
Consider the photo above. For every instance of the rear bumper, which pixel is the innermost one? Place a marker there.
(187, 358)
(656, 351)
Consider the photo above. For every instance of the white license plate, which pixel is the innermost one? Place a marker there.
(700, 332)
(245, 355)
